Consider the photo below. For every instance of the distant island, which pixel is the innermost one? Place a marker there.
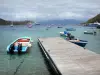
(93, 20)
(5, 22)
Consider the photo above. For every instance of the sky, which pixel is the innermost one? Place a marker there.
(48, 9)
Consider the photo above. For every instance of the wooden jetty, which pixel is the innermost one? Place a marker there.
(69, 59)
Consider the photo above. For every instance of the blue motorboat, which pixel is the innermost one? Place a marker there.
(64, 33)
(81, 43)
(20, 45)
(72, 39)
(77, 41)
(70, 29)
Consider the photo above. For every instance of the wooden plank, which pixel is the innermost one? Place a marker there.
(71, 59)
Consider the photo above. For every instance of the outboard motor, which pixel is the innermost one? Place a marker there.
(72, 37)
(19, 48)
(11, 48)
(69, 36)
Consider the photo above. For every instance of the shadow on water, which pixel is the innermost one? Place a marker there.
(14, 56)
(47, 61)
(19, 55)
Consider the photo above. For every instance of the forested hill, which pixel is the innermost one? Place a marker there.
(5, 22)
(94, 19)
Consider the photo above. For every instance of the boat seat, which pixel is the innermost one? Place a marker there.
(23, 43)
(19, 48)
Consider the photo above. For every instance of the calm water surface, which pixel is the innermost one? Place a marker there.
(33, 63)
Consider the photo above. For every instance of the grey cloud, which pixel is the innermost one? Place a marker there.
(48, 9)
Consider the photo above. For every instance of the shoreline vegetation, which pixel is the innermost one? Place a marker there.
(42, 22)
(6, 22)
(92, 20)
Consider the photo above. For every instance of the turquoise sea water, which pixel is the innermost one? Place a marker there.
(33, 63)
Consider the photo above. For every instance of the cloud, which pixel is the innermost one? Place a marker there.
(48, 9)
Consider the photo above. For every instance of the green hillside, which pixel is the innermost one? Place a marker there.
(94, 19)
(5, 22)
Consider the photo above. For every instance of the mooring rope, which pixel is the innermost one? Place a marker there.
(18, 67)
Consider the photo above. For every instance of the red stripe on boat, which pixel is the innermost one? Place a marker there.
(23, 40)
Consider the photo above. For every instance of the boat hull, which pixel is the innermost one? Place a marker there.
(81, 43)
(22, 47)
(70, 29)
(88, 33)
(59, 27)
(98, 27)
(62, 34)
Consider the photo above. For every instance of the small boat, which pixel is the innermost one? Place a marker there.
(20, 45)
(59, 27)
(37, 24)
(81, 43)
(49, 27)
(46, 28)
(89, 32)
(63, 33)
(98, 27)
(70, 29)
(12, 24)
(29, 25)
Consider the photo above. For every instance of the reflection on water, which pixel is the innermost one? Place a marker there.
(32, 63)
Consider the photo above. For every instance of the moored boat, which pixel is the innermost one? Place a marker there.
(81, 43)
(49, 27)
(29, 25)
(59, 27)
(20, 45)
(70, 29)
(12, 24)
(63, 33)
(37, 24)
(98, 27)
(89, 32)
